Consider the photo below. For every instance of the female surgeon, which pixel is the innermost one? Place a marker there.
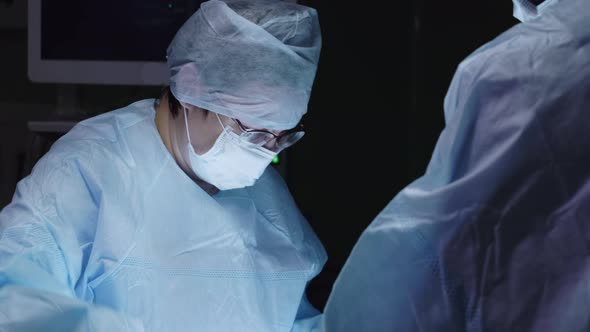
(163, 215)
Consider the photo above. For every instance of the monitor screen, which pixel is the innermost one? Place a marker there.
(111, 30)
(103, 42)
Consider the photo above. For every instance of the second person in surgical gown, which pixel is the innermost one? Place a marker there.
(163, 215)
(496, 235)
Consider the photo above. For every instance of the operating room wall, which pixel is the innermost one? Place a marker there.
(377, 109)
(374, 116)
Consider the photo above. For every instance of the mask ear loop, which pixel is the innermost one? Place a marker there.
(186, 126)
(220, 123)
(232, 135)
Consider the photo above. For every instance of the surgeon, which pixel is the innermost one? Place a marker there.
(163, 215)
(496, 235)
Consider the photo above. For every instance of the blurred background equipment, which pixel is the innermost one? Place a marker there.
(103, 42)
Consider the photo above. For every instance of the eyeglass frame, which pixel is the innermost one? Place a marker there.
(298, 128)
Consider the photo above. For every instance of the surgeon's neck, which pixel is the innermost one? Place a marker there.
(162, 122)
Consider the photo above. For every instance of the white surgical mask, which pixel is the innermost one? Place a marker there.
(231, 162)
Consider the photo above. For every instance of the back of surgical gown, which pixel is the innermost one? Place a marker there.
(496, 235)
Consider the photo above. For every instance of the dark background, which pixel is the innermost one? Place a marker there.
(374, 116)
(377, 109)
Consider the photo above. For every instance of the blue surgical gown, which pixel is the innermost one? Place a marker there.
(109, 234)
(495, 236)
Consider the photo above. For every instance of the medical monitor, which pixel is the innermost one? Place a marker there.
(103, 42)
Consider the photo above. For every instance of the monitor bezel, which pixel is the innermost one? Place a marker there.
(86, 72)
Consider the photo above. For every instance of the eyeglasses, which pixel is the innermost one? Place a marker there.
(263, 137)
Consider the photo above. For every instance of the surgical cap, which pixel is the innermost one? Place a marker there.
(251, 60)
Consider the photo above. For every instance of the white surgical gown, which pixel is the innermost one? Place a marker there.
(108, 234)
(496, 235)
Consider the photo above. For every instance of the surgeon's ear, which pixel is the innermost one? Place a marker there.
(168, 99)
